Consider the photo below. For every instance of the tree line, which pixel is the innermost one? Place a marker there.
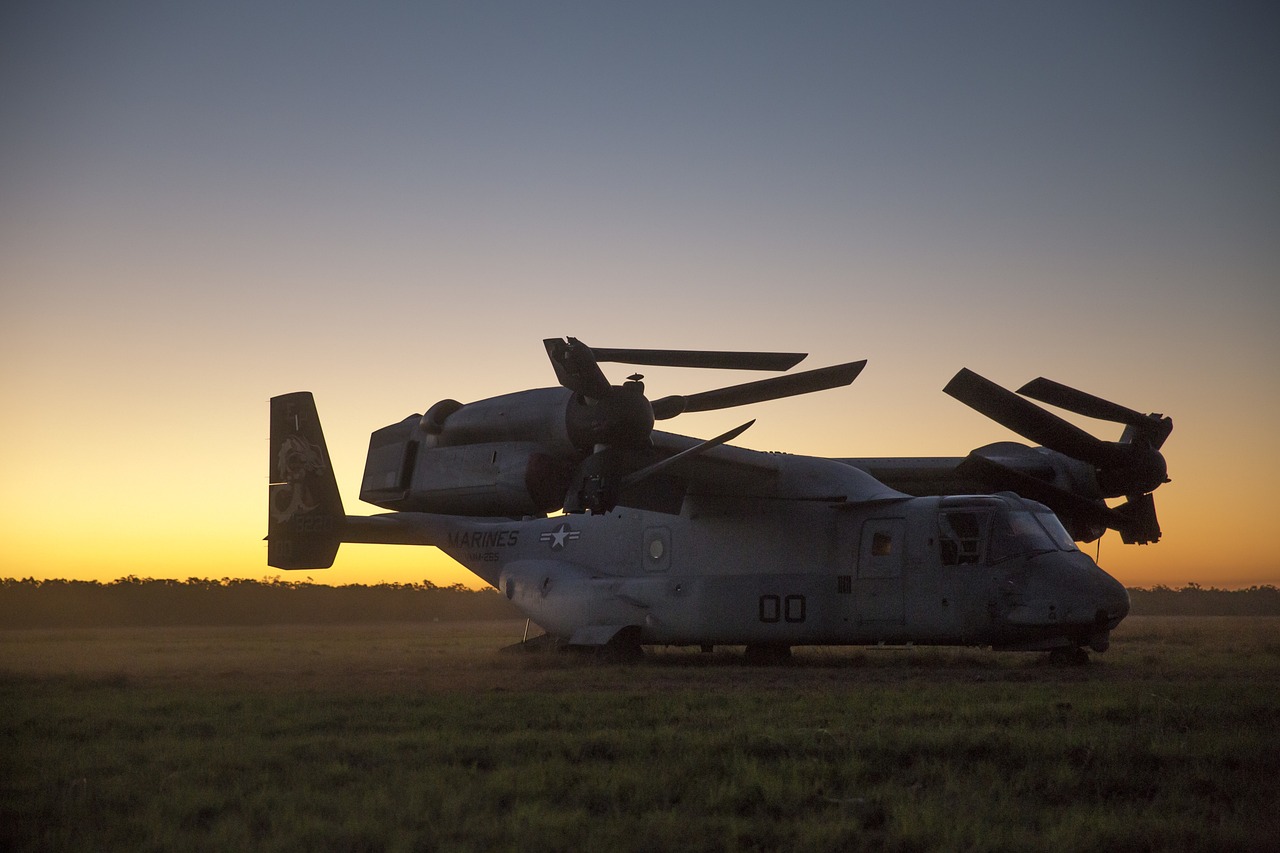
(1195, 600)
(142, 602)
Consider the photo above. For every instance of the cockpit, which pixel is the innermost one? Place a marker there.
(991, 529)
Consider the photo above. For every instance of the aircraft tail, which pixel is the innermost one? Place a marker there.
(305, 519)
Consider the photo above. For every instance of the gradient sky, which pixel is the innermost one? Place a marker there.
(206, 204)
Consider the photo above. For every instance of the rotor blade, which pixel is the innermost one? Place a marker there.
(755, 392)
(1029, 420)
(715, 359)
(1141, 525)
(576, 367)
(1155, 428)
(1080, 402)
(1059, 500)
(697, 450)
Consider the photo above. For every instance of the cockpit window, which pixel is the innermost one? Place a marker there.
(1017, 533)
(1056, 531)
(962, 532)
(996, 532)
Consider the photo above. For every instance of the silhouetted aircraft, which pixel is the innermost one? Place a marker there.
(609, 533)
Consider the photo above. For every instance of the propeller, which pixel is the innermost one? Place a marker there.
(637, 477)
(714, 359)
(577, 368)
(611, 420)
(622, 415)
(1152, 428)
(1095, 515)
(820, 379)
(1132, 467)
(1029, 420)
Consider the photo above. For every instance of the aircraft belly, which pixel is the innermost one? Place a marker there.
(563, 598)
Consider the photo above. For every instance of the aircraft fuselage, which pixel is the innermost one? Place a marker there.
(968, 570)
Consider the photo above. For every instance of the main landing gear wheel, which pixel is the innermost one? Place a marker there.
(1075, 656)
(624, 647)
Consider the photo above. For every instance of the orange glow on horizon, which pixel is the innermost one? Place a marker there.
(178, 494)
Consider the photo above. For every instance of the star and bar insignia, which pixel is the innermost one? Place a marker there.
(558, 537)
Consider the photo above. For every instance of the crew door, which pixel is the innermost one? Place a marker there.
(878, 587)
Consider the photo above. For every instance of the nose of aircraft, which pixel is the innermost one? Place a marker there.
(1088, 595)
(1112, 599)
(1063, 590)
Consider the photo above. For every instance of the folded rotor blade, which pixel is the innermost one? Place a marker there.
(576, 367)
(719, 360)
(755, 392)
(1061, 501)
(1029, 420)
(1080, 402)
(1155, 428)
(1141, 525)
(684, 455)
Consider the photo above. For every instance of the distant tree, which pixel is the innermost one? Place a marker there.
(134, 601)
(1195, 600)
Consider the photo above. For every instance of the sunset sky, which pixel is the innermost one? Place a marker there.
(206, 204)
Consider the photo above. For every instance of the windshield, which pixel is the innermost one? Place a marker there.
(1056, 531)
(1017, 533)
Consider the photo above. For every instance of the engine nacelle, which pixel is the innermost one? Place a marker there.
(512, 455)
(489, 479)
(537, 417)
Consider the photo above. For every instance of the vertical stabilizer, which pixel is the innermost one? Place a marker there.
(305, 519)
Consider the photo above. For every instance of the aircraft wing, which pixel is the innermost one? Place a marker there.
(736, 472)
(938, 475)
(1067, 486)
(949, 475)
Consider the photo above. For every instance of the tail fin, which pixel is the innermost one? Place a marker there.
(305, 520)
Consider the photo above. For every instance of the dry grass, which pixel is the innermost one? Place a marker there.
(417, 737)
(467, 656)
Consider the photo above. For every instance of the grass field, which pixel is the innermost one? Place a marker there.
(425, 737)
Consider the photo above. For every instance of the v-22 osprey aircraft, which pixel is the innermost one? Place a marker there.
(610, 534)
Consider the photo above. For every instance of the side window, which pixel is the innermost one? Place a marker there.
(881, 544)
(656, 554)
(881, 550)
(961, 537)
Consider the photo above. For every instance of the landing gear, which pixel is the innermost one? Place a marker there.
(767, 655)
(1073, 656)
(623, 648)
(540, 644)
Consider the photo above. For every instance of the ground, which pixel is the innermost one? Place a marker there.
(425, 736)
